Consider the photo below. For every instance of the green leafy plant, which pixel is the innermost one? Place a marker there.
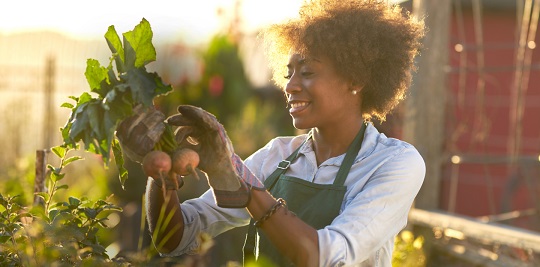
(10, 225)
(63, 233)
(114, 94)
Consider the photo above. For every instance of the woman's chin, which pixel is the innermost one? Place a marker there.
(298, 124)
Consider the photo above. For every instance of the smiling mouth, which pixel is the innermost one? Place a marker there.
(297, 106)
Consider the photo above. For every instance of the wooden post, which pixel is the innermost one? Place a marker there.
(41, 174)
(425, 105)
(49, 116)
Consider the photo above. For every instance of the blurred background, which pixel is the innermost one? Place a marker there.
(472, 112)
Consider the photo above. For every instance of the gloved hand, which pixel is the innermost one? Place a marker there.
(229, 178)
(139, 133)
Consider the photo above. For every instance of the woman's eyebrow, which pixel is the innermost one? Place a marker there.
(303, 61)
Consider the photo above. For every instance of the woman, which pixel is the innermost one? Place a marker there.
(336, 196)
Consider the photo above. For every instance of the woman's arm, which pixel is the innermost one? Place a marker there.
(164, 216)
(295, 239)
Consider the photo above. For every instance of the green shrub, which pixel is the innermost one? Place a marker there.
(58, 233)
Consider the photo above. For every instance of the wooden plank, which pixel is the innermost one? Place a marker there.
(478, 256)
(493, 233)
(424, 107)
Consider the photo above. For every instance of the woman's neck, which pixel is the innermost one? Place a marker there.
(332, 142)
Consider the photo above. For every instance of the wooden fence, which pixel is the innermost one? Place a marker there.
(475, 241)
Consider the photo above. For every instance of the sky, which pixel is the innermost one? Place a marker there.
(194, 20)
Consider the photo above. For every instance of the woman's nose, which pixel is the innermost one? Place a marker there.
(293, 85)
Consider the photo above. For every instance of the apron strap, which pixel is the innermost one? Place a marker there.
(250, 241)
(283, 166)
(350, 156)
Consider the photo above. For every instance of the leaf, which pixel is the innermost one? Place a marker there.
(78, 123)
(53, 169)
(112, 208)
(118, 106)
(67, 105)
(161, 88)
(85, 97)
(142, 86)
(70, 160)
(59, 151)
(55, 177)
(78, 127)
(73, 201)
(138, 47)
(95, 74)
(104, 147)
(94, 112)
(64, 186)
(90, 213)
(44, 195)
(65, 131)
(145, 86)
(58, 205)
(4, 237)
(113, 79)
(115, 45)
(53, 213)
(119, 160)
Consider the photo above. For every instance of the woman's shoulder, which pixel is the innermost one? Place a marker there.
(289, 143)
(392, 155)
(377, 138)
(266, 159)
(281, 145)
(379, 142)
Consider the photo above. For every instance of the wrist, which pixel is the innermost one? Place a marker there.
(279, 203)
(261, 202)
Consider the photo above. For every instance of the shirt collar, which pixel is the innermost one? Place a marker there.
(368, 145)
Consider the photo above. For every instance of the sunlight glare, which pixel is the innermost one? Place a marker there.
(195, 21)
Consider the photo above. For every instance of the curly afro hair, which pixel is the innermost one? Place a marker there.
(370, 42)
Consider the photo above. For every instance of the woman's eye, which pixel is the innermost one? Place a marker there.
(304, 74)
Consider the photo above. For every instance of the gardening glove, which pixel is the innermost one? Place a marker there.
(229, 177)
(139, 133)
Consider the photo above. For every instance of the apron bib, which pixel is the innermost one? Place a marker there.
(315, 204)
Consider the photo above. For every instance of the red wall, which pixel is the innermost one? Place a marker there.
(486, 186)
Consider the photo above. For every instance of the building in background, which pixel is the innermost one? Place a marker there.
(490, 162)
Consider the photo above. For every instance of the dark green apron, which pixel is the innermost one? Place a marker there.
(316, 204)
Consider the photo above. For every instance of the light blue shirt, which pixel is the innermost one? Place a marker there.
(381, 186)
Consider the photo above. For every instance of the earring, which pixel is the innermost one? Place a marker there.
(354, 92)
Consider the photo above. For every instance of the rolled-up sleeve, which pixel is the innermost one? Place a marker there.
(203, 215)
(375, 211)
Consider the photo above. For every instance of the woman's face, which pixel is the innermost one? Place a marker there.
(318, 96)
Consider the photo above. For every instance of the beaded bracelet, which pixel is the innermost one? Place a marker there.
(280, 203)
